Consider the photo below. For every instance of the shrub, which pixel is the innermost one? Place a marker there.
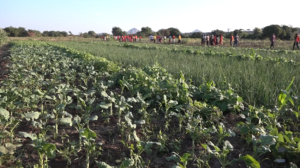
(3, 37)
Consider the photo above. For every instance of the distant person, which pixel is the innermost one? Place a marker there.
(212, 40)
(170, 38)
(296, 42)
(154, 38)
(159, 39)
(216, 40)
(203, 39)
(236, 40)
(221, 39)
(179, 39)
(173, 38)
(207, 40)
(140, 38)
(231, 40)
(136, 38)
(273, 37)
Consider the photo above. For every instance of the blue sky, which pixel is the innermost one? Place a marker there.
(188, 15)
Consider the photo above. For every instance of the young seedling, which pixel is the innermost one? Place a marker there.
(182, 161)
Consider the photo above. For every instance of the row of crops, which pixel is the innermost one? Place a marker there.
(258, 82)
(287, 56)
(64, 108)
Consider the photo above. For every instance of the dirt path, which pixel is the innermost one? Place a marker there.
(3, 61)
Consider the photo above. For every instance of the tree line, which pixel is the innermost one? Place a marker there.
(22, 32)
(283, 32)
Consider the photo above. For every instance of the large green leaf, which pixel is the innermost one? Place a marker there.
(3, 150)
(31, 115)
(172, 103)
(4, 113)
(49, 150)
(173, 157)
(76, 119)
(185, 157)
(88, 134)
(66, 121)
(27, 135)
(267, 140)
(105, 105)
(250, 161)
(127, 163)
(227, 146)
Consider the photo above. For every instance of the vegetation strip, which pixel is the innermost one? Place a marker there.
(210, 52)
(60, 103)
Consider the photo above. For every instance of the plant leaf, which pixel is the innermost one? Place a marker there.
(27, 135)
(250, 161)
(66, 121)
(88, 134)
(4, 113)
(31, 115)
(267, 140)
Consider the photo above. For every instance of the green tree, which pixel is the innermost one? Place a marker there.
(124, 33)
(147, 31)
(45, 33)
(86, 35)
(116, 31)
(257, 33)
(287, 32)
(139, 33)
(63, 33)
(269, 30)
(174, 31)
(217, 32)
(163, 32)
(16, 32)
(240, 32)
(22, 32)
(196, 35)
(91, 33)
(3, 37)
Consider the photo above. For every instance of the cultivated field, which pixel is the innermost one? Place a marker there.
(109, 104)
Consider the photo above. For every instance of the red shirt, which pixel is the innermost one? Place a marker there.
(297, 39)
(173, 37)
(140, 37)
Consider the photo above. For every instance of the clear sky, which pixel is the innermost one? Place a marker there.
(186, 15)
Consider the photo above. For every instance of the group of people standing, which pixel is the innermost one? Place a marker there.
(218, 40)
(206, 39)
(128, 38)
(212, 39)
(159, 38)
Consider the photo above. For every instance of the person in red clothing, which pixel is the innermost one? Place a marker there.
(140, 38)
(272, 39)
(296, 42)
(215, 39)
(173, 38)
(231, 40)
(136, 38)
(221, 39)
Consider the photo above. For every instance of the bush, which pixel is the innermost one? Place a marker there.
(3, 37)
